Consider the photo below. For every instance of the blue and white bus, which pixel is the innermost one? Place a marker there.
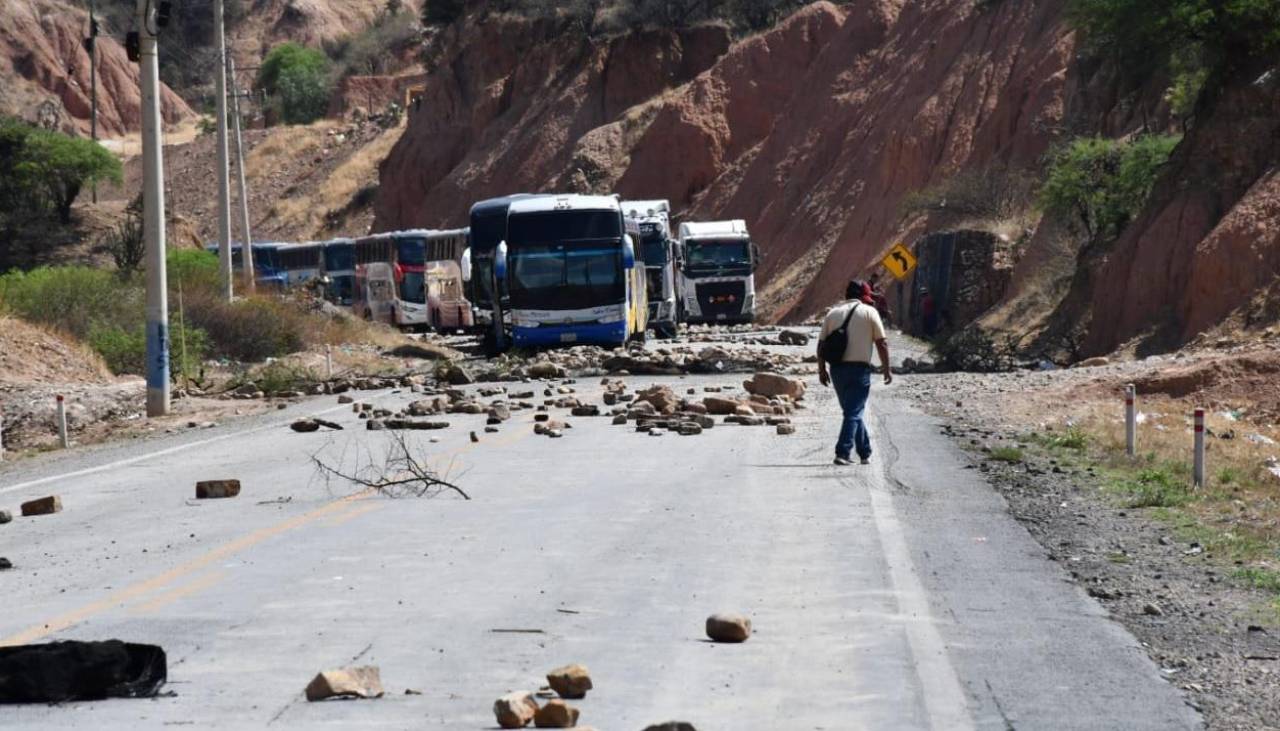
(340, 270)
(569, 263)
(488, 229)
(300, 263)
(266, 267)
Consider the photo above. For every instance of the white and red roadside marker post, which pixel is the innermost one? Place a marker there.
(1130, 421)
(62, 422)
(1197, 474)
(328, 362)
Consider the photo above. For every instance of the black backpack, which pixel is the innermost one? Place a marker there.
(831, 348)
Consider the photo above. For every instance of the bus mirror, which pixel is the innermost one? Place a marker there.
(466, 264)
(755, 255)
(500, 261)
(628, 252)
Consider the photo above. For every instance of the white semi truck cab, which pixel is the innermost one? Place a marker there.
(717, 278)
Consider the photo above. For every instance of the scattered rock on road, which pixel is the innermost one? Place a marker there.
(785, 429)
(515, 710)
(728, 627)
(5, 516)
(772, 384)
(5, 564)
(42, 506)
(415, 424)
(305, 425)
(791, 337)
(671, 726)
(556, 714)
(570, 681)
(358, 682)
(213, 489)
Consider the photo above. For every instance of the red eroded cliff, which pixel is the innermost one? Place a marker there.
(812, 131)
(46, 75)
(1210, 237)
(816, 130)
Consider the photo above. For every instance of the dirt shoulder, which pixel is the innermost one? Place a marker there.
(1192, 574)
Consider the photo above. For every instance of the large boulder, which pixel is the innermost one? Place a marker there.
(720, 406)
(772, 384)
(570, 681)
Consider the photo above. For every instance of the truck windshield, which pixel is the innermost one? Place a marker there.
(717, 252)
(566, 276)
(654, 247)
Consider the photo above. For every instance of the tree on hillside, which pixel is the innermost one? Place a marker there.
(41, 170)
(1098, 185)
(1200, 43)
(297, 79)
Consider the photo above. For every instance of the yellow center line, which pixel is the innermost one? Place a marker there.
(368, 507)
(173, 595)
(159, 582)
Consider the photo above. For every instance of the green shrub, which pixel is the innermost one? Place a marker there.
(1099, 185)
(73, 299)
(377, 49)
(194, 269)
(124, 350)
(993, 192)
(297, 78)
(251, 329)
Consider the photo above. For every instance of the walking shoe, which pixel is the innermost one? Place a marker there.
(842, 461)
(866, 460)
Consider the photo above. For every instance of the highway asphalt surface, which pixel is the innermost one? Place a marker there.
(899, 595)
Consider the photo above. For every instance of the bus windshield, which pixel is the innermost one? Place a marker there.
(557, 226)
(487, 230)
(567, 276)
(411, 251)
(717, 252)
(413, 288)
(340, 257)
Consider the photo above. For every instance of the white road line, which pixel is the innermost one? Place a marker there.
(162, 452)
(944, 697)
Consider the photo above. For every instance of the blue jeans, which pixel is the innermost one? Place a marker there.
(852, 382)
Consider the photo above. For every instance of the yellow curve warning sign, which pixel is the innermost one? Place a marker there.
(899, 261)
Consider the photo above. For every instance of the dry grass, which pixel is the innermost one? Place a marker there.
(307, 211)
(275, 153)
(1235, 516)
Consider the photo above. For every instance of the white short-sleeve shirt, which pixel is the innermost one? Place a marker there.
(865, 328)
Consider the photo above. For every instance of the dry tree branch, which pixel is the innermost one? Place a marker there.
(399, 474)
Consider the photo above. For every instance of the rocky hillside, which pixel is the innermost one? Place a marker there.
(817, 130)
(45, 71)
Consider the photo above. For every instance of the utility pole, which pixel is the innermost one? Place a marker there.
(246, 245)
(92, 47)
(153, 217)
(224, 184)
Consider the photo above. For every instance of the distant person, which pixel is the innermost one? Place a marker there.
(928, 312)
(851, 331)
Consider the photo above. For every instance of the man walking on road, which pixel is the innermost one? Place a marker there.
(850, 332)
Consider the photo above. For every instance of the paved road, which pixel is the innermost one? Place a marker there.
(895, 596)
